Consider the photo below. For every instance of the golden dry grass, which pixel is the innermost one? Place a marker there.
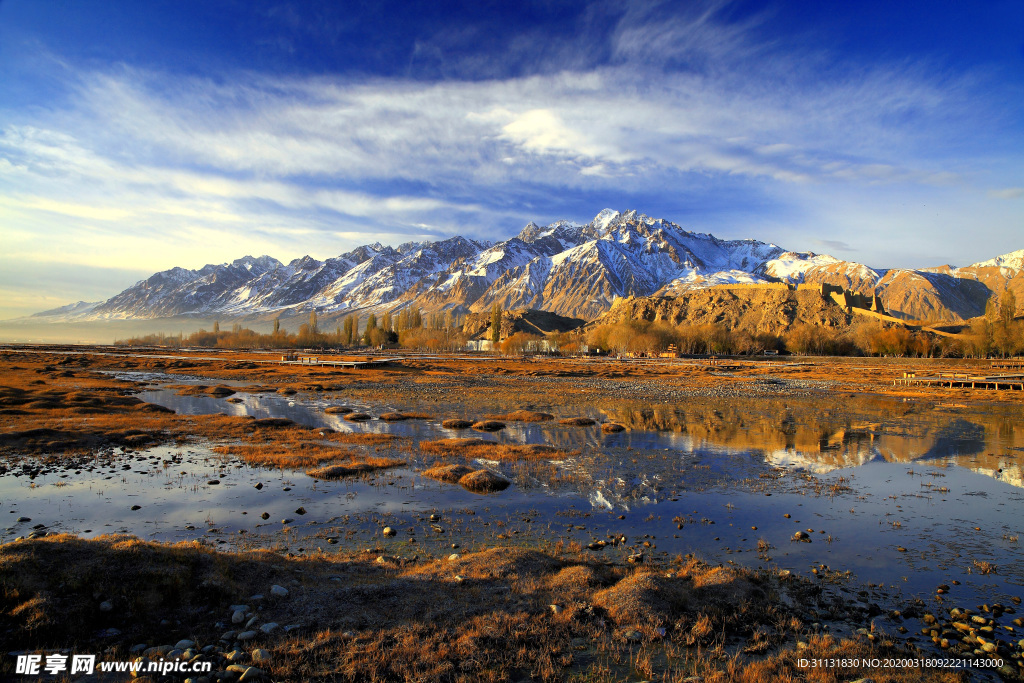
(361, 464)
(523, 416)
(398, 417)
(490, 450)
(450, 474)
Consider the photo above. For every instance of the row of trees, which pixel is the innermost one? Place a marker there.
(865, 337)
(407, 328)
(997, 333)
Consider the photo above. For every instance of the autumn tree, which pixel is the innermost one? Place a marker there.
(495, 323)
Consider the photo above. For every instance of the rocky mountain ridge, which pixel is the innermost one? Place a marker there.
(566, 268)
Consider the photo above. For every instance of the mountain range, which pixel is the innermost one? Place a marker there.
(567, 268)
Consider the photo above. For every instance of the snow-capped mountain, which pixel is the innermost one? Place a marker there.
(567, 268)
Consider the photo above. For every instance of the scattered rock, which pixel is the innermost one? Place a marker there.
(252, 674)
(279, 591)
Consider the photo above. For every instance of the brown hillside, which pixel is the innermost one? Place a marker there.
(754, 309)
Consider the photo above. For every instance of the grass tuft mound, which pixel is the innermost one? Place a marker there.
(578, 421)
(489, 425)
(450, 474)
(523, 416)
(457, 424)
(490, 450)
(483, 481)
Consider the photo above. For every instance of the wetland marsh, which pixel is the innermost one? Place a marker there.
(853, 509)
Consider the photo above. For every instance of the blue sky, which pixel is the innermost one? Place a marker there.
(136, 136)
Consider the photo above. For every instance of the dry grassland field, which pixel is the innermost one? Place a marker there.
(473, 518)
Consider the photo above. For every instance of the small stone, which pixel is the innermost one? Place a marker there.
(237, 617)
(185, 644)
(24, 519)
(300, 511)
(213, 482)
(279, 591)
(249, 624)
(252, 674)
(258, 486)
(388, 531)
(555, 609)
(136, 507)
(269, 627)
(265, 515)
(106, 606)
(261, 656)
(453, 557)
(137, 648)
(246, 635)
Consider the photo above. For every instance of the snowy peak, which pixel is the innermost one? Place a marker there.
(564, 267)
(604, 219)
(1015, 260)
